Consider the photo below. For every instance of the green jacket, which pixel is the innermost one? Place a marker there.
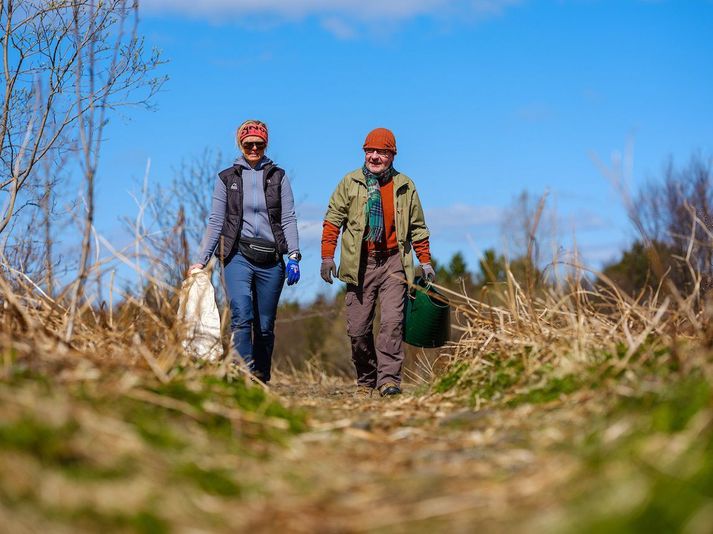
(347, 210)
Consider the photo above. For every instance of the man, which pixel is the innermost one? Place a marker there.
(381, 219)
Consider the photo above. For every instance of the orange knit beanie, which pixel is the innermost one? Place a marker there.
(380, 139)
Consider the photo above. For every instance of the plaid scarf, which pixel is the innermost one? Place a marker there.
(374, 209)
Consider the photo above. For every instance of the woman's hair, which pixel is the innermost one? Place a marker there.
(260, 126)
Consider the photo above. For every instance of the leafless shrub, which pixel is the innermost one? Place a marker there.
(676, 214)
(62, 60)
(183, 206)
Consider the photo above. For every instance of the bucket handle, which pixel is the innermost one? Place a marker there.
(419, 283)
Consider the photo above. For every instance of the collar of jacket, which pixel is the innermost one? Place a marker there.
(399, 179)
(242, 162)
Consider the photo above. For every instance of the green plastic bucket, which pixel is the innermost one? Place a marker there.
(427, 321)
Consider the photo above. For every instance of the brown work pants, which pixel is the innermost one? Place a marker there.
(383, 279)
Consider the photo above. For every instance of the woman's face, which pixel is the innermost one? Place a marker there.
(253, 148)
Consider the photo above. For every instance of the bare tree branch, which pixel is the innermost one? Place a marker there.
(42, 43)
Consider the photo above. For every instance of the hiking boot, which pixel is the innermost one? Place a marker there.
(258, 375)
(389, 389)
(363, 392)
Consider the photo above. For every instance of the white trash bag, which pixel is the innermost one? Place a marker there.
(198, 316)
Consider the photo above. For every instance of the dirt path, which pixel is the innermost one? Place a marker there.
(414, 463)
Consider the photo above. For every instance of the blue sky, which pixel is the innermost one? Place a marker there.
(487, 98)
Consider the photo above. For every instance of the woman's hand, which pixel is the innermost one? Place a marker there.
(195, 266)
(292, 271)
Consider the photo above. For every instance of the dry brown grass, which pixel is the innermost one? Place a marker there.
(573, 324)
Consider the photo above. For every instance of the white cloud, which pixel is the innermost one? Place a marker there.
(297, 8)
(338, 27)
(597, 256)
(585, 220)
(451, 223)
(310, 211)
(462, 223)
(535, 112)
(310, 231)
(491, 7)
(463, 215)
(333, 13)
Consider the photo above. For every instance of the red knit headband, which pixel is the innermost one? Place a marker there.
(252, 128)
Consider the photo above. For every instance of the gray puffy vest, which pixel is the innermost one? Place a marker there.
(272, 185)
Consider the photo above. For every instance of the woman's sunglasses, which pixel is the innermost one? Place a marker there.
(259, 145)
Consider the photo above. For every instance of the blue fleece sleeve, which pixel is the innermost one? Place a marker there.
(289, 218)
(215, 222)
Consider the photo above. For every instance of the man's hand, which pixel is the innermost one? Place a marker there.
(328, 270)
(428, 273)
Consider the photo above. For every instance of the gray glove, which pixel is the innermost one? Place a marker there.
(328, 270)
(428, 272)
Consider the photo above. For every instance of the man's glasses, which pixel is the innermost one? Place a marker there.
(259, 145)
(380, 151)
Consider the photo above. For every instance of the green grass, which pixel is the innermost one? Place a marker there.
(673, 409)
(153, 426)
(451, 378)
(89, 519)
(49, 444)
(672, 466)
(211, 480)
(554, 389)
(171, 442)
(507, 373)
(236, 394)
(515, 379)
(648, 464)
(58, 446)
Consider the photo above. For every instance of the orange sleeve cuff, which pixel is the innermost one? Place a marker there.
(423, 250)
(330, 235)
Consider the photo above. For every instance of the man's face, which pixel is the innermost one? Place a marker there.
(378, 160)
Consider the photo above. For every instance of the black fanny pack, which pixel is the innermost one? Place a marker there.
(260, 251)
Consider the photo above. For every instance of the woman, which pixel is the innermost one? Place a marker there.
(251, 225)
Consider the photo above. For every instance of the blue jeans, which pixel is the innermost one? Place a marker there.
(254, 292)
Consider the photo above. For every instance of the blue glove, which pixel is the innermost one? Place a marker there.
(292, 271)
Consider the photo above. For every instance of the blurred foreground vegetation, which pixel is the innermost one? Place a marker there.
(121, 451)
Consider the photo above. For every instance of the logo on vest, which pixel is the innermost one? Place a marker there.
(234, 185)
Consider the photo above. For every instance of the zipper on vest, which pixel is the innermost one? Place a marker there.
(255, 218)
